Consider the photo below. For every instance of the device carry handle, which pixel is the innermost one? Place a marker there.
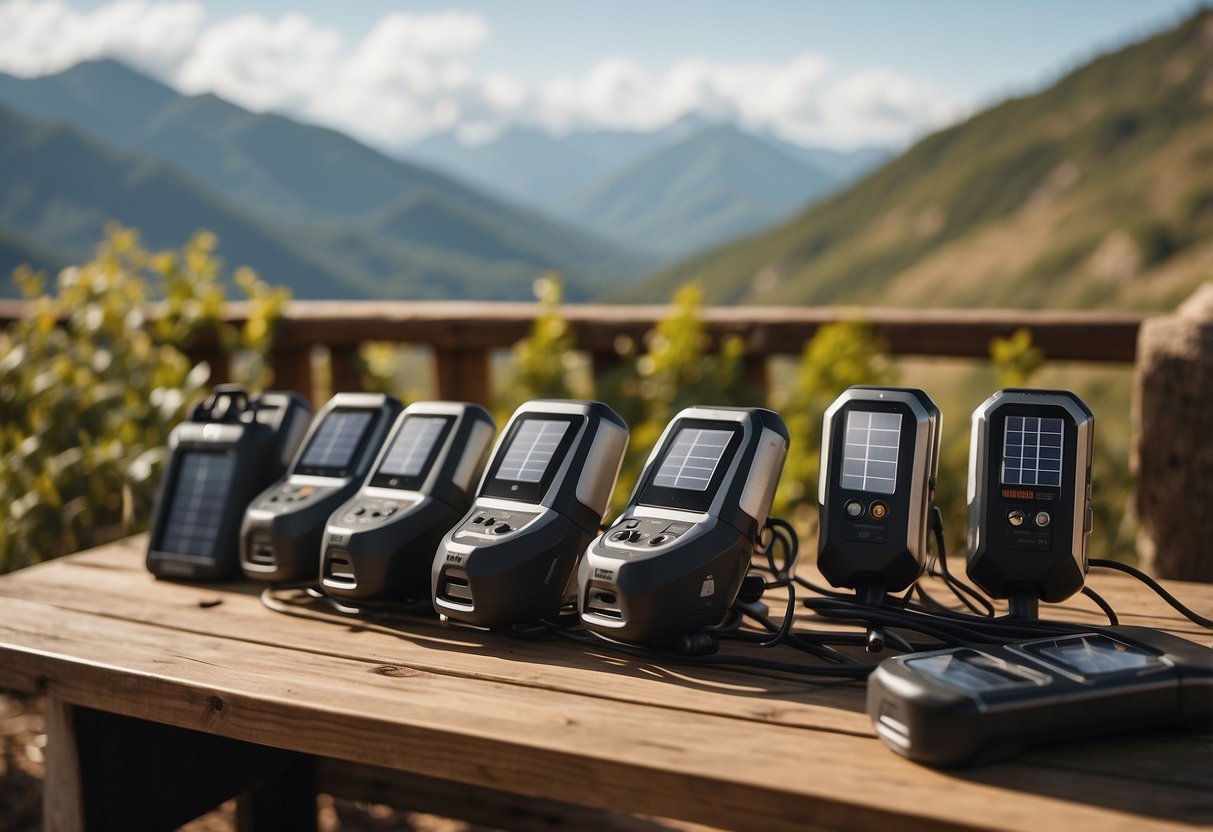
(225, 404)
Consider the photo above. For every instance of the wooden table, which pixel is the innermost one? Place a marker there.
(164, 699)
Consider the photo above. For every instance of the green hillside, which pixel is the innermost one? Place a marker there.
(60, 188)
(301, 176)
(1095, 192)
(713, 186)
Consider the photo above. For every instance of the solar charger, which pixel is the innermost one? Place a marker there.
(879, 456)
(230, 448)
(380, 544)
(282, 532)
(548, 483)
(674, 561)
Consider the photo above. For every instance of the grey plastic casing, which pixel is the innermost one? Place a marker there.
(489, 576)
(929, 720)
(283, 528)
(380, 544)
(1004, 562)
(259, 438)
(892, 552)
(663, 570)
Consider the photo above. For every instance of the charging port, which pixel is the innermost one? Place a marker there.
(455, 587)
(337, 567)
(261, 552)
(603, 603)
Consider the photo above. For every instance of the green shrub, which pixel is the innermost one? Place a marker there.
(93, 378)
(835, 358)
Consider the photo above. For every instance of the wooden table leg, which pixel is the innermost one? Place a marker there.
(105, 771)
(62, 797)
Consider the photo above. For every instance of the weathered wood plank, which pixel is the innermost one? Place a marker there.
(711, 769)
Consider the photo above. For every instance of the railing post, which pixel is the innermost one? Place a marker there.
(1172, 451)
(293, 370)
(754, 366)
(343, 363)
(462, 374)
(216, 358)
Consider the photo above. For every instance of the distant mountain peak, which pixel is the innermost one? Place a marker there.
(993, 211)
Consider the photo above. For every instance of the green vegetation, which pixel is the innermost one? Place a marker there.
(90, 387)
(307, 206)
(1094, 192)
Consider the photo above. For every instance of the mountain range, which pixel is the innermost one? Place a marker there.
(1095, 192)
(304, 205)
(671, 191)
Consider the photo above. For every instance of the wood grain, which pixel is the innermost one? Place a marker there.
(554, 720)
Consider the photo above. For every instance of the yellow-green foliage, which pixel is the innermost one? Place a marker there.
(90, 387)
(837, 357)
(1016, 359)
(676, 370)
(541, 361)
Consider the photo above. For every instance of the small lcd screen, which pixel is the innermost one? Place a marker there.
(532, 450)
(869, 458)
(1094, 655)
(196, 503)
(529, 458)
(693, 463)
(1031, 451)
(692, 459)
(970, 670)
(414, 446)
(333, 447)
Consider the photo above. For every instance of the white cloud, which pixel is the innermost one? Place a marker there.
(409, 77)
(43, 36)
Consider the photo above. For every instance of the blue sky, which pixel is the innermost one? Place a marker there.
(834, 73)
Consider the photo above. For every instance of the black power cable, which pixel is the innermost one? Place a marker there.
(1159, 589)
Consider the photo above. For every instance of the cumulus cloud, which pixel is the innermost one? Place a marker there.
(409, 77)
(38, 37)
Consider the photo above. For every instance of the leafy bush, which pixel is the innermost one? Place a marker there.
(93, 378)
(542, 361)
(835, 358)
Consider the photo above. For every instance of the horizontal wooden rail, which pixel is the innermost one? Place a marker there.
(462, 333)
(766, 330)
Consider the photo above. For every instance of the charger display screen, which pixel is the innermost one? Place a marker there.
(530, 456)
(692, 465)
(412, 452)
(336, 443)
(196, 502)
(1093, 655)
(869, 458)
(1032, 451)
(970, 670)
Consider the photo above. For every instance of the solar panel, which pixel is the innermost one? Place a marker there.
(531, 451)
(412, 447)
(692, 459)
(196, 504)
(869, 459)
(336, 440)
(1031, 452)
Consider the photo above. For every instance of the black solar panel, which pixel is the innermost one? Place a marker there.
(1032, 451)
(413, 445)
(692, 459)
(531, 451)
(196, 503)
(336, 441)
(869, 459)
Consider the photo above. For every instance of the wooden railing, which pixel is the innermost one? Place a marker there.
(463, 335)
(1173, 386)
